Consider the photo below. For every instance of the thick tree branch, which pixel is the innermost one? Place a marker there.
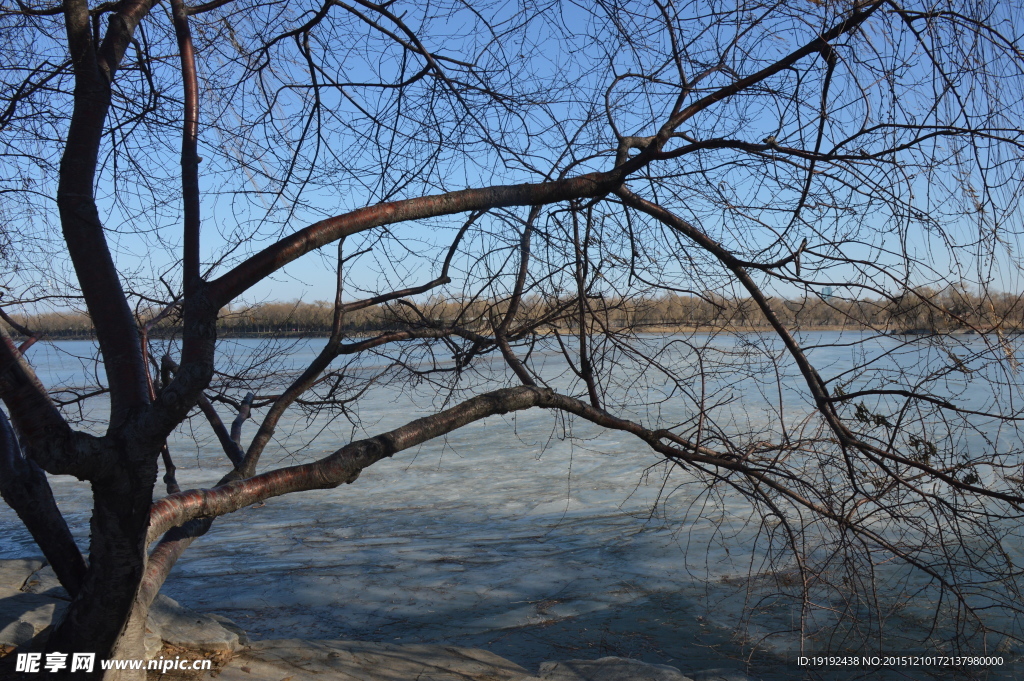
(167, 552)
(80, 220)
(243, 415)
(582, 270)
(241, 278)
(231, 448)
(227, 443)
(189, 147)
(52, 443)
(120, 33)
(31, 337)
(208, 6)
(345, 465)
(235, 282)
(514, 362)
(735, 265)
(165, 452)
(25, 488)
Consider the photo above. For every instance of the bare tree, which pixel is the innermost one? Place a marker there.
(507, 182)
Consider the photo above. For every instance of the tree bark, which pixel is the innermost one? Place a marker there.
(99, 614)
(25, 488)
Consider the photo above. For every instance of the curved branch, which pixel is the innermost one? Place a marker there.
(817, 45)
(817, 387)
(228, 444)
(235, 282)
(243, 415)
(189, 149)
(112, 318)
(345, 464)
(207, 6)
(30, 336)
(736, 266)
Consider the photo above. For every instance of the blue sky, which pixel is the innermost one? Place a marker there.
(567, 73)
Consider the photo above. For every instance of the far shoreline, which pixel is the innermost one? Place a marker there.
(312, 334)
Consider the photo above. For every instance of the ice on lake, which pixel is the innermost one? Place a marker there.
(503, 535)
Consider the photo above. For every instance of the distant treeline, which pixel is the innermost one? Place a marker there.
(919, 310)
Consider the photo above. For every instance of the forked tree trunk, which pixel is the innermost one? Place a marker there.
(97, 621)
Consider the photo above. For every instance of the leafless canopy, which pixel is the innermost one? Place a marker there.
(502, 183)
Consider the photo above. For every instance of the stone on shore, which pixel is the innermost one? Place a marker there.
(24, 612)
(609, 669)
(15, 572)
(45, 583)
(31, 597)
(361, 661)
(185, 628)
(722, 675)
(24, 615)
(298, 660)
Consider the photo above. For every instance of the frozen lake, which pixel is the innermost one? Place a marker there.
(505, 535)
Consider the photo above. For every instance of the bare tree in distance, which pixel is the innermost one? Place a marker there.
(541, 169)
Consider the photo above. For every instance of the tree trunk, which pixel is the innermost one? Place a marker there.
(97, 621)
(132, 644)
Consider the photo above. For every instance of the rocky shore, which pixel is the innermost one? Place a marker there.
(31, 597)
